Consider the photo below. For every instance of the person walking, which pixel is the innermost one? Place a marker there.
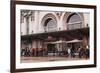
(69, 51)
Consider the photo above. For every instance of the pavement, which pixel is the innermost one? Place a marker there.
(48, 59)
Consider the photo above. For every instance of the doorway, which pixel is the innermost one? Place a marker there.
(51, 50)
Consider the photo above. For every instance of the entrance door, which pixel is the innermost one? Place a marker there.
(51, 49)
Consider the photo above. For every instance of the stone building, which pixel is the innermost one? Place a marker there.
(51, 29)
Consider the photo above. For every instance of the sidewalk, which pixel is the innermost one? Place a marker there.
(45, 59)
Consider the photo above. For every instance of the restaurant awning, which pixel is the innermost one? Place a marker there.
(74, 41)
(61, 41)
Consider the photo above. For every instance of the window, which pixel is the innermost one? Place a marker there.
(22, 18)
(74, 21)
(32, 16)
(50, 25)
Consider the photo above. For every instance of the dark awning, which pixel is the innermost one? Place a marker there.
(68, 34)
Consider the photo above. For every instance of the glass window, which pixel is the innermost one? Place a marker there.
(50, 25)
(74, 21)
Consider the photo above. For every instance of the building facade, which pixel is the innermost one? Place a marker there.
(51, 30)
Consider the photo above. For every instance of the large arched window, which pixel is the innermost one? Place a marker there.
(49, 22)
(74, 21)
(50, 25)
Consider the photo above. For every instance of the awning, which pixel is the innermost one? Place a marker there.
(61, 41)
(74, 41)
(68, 34)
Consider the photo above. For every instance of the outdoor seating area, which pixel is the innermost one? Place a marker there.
(80, 52)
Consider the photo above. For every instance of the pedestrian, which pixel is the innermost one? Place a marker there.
(69, 51)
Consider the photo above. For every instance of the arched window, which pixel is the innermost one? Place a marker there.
(74, 21)
(50, 25)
